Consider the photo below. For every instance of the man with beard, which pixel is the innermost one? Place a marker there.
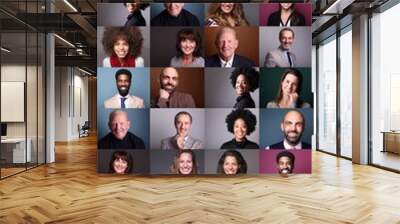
(282, 56)
(285, 162)
(292, 126)
(123, 99)
(182, 139)
(168, 96)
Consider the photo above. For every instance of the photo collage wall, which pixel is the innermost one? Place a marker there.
(204, 88)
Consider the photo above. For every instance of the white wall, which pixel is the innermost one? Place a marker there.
(69, 82)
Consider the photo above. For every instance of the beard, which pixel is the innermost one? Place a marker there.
(123, 91)
(292, 140)
(285, 171)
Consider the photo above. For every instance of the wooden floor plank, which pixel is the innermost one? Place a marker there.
(70, 191)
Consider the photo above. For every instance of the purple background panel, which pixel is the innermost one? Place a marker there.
(302, 162)
(266, 9)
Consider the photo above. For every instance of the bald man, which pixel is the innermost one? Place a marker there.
(292, 127)
(226, 43)
(168, 96)
(119, 136)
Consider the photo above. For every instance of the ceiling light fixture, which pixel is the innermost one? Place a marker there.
(5, 49)
(70, 5)
(84, 71)
(64, 40)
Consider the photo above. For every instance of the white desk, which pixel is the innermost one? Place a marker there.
(17, 145)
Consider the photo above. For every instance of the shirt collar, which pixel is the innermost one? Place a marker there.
(286, 145)
(228, 63)
(126, 97)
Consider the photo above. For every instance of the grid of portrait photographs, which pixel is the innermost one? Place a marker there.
(204, 88)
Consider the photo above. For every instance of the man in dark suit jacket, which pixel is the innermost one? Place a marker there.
(292, 126)
(227, 43)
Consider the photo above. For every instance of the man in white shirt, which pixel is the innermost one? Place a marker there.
(123, 99)
(282, 57)
(292, 126)
(226, 42)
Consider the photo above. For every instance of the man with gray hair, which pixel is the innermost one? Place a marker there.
(119, 136)
(227, 42)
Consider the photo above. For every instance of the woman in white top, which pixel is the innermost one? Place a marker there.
(289, 92)
(123, 46)
(188, 48)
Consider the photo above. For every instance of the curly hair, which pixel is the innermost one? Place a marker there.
(188, 34)
(132, 35)
(251, 75)
(215, 13)
(239, 158)
(124, 156)
(249, 118)
(174, 168)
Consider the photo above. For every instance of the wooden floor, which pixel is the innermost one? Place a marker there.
(70, 191)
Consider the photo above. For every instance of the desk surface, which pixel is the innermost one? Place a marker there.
(13, 140)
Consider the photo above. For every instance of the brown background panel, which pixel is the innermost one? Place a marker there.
(248, 42)
(191, 80)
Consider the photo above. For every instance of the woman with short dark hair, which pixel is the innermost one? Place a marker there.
(121, 163)
(244, 80)
(241, 123)
(188, 48)
(286, 16)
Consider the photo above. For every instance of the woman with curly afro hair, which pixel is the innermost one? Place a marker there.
(123, 46)
(241, 123)
(244, 80)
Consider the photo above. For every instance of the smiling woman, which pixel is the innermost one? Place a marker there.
(241, 123)
(123, 45)
(184, 163)
(188, 48)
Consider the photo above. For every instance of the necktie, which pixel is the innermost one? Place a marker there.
(225, 64)
(289, 59)
(123, 102)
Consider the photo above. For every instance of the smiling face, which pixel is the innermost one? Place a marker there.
(292, 127)
(123, 84)
(131, 7)
(242, 85)
(286, 6)
(239, 129)
(285, 165)
(290, 84)
(121, 48)
(227, 7)
(286, 39)
(174, 9)
(183, 125)
(120, 165)
(169, 79)
(188, 46)
(227, 43)
(119, 125)
(230, 165)
(185, 163)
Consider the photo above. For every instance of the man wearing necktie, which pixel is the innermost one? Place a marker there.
(292, 127)
(123, 99)
(282, 57)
